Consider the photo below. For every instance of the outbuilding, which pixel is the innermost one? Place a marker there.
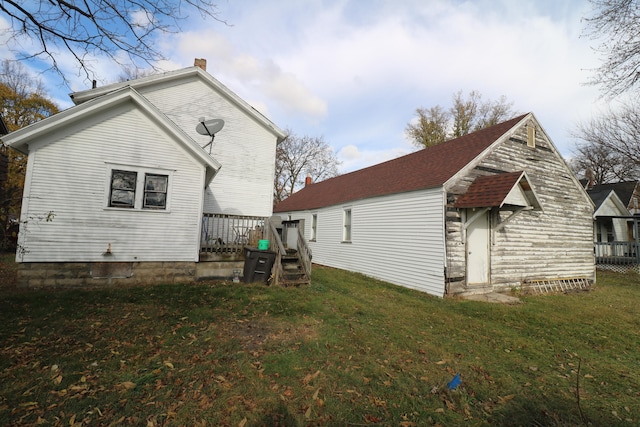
(495, 209)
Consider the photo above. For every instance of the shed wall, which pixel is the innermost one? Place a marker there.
(397, 238)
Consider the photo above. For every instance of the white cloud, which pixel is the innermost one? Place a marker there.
(256, 78)
(355, 71)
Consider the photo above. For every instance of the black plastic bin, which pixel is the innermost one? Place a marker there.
(257, 265)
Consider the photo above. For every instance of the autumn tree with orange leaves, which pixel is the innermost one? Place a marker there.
(22, 101)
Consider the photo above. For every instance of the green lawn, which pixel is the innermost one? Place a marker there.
(346, 350)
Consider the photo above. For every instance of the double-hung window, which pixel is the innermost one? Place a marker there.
(155, 191)
(123, 189)
(138, 189)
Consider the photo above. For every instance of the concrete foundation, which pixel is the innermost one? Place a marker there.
(102, 274)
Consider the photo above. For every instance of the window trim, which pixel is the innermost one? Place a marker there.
(140, 191)
(314, 227)
(347, 224)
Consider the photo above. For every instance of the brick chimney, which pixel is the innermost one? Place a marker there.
(200, 62)
(307, 180)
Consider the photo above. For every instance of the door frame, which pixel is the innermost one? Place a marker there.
(478, 244)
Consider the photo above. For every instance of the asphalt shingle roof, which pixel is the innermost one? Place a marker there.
(426, 168)
(489, 191)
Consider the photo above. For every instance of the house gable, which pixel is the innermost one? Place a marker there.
(45, 131)
(526, 244)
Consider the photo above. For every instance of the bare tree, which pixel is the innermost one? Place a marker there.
(299, 156)
(124, 31)
(601, 165)
(615, 23)
(609, 145)
(132, 73)
(435, 125)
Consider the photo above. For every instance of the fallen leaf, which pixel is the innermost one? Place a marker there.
(243, 422)
(58, 379)
(72, 420)
(372, 419)
(505, 399)
(127, 385)
(310, 377)
(442, 362)
(439, 410)
(168, 364)
(307, 414)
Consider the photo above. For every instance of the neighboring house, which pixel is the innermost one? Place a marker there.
(117, 186)
(495, 209)
(615, 228)
(610, 224)
(628, 192)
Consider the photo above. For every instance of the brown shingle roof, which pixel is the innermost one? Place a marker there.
(489, 191)
(426, 168)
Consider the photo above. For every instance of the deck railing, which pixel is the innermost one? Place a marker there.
(617, 253)
(304, 252)
(229, 234)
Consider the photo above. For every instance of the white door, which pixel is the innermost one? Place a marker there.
(478, 250)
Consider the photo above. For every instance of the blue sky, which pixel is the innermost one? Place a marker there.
(354, 71)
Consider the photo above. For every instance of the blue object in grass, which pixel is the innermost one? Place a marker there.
(454, 383)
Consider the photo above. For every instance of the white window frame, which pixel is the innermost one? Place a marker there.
(314, 226)
(140, 192)
(347, 219)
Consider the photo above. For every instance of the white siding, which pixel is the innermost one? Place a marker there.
(244, 147)
(397, 238)
(68, 175)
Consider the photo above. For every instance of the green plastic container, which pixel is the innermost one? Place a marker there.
(263, 245)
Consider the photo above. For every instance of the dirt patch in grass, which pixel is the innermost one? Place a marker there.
(259, 334)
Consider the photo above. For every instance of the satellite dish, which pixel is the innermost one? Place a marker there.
(209, 127)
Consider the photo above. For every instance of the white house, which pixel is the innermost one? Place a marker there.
(491, 210)
(117, 186)
(609, 211)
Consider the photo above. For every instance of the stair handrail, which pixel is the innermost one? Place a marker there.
(304, 253)
(274, 237)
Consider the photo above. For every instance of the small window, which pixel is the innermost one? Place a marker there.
(123, 189)
(155, 191)
(531, 136)
(346, 233)
(314, 226)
